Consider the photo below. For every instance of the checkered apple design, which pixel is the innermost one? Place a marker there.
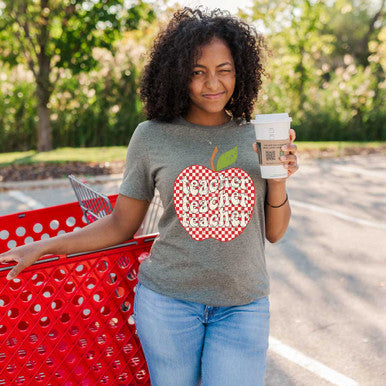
(214, 204)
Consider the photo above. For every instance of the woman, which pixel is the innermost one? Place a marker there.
(201, 305)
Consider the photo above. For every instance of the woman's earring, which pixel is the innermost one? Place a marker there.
(229, 113)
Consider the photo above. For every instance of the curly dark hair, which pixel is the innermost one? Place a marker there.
(165, 82)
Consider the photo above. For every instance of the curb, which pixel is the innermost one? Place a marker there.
(56, 182)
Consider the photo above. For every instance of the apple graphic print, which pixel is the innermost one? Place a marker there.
(214, 203)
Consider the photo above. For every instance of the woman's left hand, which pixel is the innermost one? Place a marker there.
(289, 159)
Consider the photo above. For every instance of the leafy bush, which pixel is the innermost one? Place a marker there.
(86, 110)
(18, 112)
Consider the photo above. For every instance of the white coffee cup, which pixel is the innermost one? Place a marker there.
(272, 132)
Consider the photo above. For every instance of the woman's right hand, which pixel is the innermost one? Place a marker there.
(24, 255)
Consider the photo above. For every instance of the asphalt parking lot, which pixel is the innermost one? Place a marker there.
(328, 303)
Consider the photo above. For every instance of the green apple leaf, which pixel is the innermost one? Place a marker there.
(226, 159)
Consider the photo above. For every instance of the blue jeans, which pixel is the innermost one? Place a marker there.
(186, 343)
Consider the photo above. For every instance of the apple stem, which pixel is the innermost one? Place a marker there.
(212, 157)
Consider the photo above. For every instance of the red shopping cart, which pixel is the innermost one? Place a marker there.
(68, 320)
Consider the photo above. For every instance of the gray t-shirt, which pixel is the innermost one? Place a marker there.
(210, 247)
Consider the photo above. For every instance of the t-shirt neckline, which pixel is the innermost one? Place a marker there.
(226, 125)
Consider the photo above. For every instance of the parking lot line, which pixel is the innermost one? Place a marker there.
(310, 364)
(320, 209)
(29, 201)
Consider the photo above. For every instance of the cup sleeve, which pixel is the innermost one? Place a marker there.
(137, 180)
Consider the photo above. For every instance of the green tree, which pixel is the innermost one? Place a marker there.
(355, 23)
(293, 28)
(51, 35)
(360, 30)
(327, 67)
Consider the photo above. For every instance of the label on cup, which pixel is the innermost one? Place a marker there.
(270, 151)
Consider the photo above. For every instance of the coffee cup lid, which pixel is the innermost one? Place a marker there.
(267, 118)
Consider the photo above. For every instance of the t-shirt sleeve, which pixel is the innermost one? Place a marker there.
(137, 179)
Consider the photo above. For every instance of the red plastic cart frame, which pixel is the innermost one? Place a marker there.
(69, 320)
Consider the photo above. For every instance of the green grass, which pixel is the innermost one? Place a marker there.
(337, 145)
(65, 154)
(338, 149)
(115, 153)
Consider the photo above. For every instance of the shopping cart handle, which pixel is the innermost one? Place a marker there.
(49, 258)
(103, 249)
(133, 241)
(45, 260)
(57, 257)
